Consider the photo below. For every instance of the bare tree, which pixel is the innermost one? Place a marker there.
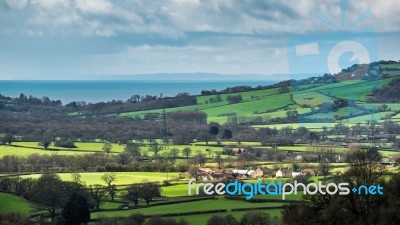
(218, 159)
(324, 168)
(108, 178)
(174, 153)
(155, 147)
(98, 193)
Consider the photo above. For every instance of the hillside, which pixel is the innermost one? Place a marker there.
(352, 85)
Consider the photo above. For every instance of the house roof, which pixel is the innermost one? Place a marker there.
(285, 170)
(265, 170)
(205, 170)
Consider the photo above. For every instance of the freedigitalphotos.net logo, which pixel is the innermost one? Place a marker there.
(344, 43)
(284, 189)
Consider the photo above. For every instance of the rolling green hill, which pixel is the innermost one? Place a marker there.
(271, 103)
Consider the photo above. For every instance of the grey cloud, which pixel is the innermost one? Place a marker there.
(174, 18)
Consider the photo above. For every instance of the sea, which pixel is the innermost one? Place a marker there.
(106, 90)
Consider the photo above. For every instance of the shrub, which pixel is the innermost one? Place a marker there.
(65, 144)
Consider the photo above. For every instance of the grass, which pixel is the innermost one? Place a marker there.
(297, 125)
(183, 108)
(194, 148)
(274, 114)
(302, 148)
(248, 95)
(392, 106)
(122, 178)
(269, 103)
(310, 98)
(84, 146)
(373, 116)
(22, 151)
(345, 111)
(177, 190)
(262, 101)
(247, 108)
(218, 203)
(342, 84)
(28, 148)
(357, 91)
(12, 203)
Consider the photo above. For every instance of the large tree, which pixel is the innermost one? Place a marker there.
(8, 138)
(45, 143)
(98, 193)
(149, 191)
(133, 149)
(50, 193)
(199, 158)
(76, 211)
(132, 194)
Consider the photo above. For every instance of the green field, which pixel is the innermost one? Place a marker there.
(357, 91)
(302, 148)
(213, 204)
(21, 151)
(28, 148)
(80, 146)
(12, 203)
(195, 149)
(248, 95)
(310, 98)
(373, 116)
(122, 178)
(265, 101)
(317, 126)
(269, 103)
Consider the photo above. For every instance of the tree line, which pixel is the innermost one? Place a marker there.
(352, 209)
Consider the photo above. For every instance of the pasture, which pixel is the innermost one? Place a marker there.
(12, 203)
(122, 178)
(213, 204)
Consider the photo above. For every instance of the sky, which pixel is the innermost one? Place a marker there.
(89, 39)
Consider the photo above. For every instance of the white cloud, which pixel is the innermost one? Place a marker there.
(95, 6)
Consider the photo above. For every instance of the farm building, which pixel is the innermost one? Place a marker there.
(284, 173)
(262, 172)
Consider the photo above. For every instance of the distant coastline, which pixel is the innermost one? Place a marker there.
(107, 90)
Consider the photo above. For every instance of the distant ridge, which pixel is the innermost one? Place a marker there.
(195, 77)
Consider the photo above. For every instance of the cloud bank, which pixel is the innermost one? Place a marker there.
(76, 37)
